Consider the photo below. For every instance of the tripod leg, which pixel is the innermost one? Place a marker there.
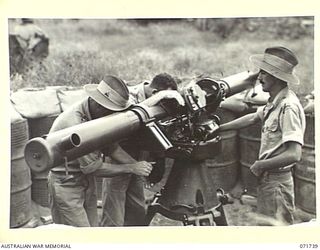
(221, 220)
(149, 216)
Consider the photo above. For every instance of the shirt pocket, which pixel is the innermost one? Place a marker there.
(272, 130)
(273, 127)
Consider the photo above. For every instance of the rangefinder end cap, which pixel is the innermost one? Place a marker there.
(38, 156)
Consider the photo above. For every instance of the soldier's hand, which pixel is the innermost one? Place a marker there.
(253, 76)
(172, 94)
(164, 94)
(142, 168)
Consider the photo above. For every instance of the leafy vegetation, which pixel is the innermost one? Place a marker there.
(82, 51)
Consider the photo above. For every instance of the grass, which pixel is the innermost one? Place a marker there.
(82, 51)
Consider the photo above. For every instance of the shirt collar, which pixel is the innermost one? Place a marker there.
(275, 102)
(282, 94)
(85, 109)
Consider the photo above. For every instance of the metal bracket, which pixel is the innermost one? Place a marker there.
(67, 177)
(202, 219)
(159, 135)
(142, 113)
(151, 126)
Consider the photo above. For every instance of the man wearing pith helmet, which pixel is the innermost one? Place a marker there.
(283, 126)
(72, 193)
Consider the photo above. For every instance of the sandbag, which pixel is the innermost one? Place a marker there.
(14, 115)
(36, 102)
(69, 96)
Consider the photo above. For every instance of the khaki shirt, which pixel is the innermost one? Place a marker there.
(137, 93)
(283, 120)
(77, 114)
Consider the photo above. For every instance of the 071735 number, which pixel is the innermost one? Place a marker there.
(308, 246)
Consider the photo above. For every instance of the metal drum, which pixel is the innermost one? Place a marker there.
(40, 126)
(20, 199)
(304, 171)
(39, 188)
(224, 168)
(249, 152)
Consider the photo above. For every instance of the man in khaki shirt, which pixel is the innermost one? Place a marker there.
(123, 199)
(73, 194)
(283, 126)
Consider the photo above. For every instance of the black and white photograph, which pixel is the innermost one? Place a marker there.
(151, 122)
(162, 122)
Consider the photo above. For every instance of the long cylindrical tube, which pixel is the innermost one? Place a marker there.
(70, 143)
(81, 139)
(239, 82)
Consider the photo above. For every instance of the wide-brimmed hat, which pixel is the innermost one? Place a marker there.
(279, 62)
(112, 93)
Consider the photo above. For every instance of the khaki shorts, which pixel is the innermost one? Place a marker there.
(276, 196)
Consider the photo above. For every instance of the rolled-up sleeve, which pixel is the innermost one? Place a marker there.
(90, 162)
(291, 124)
(259, 112)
